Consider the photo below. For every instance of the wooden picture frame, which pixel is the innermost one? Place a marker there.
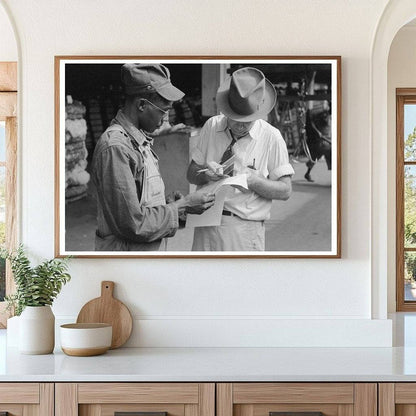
(308, 225)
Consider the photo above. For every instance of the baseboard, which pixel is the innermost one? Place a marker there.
(259, 332)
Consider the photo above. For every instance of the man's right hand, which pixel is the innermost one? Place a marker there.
(195, 203)
(198, 202)
(201, 175)
(215, 171)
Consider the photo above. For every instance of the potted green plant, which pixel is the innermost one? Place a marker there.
(36, 289)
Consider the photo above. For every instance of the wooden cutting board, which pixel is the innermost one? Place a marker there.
(107, 309)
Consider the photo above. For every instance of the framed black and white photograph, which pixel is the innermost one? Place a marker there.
(198, 156)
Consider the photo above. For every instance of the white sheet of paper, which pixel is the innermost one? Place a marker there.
(212, 216)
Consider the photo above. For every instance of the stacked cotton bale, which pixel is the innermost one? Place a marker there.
(95, 119)
(76, 176)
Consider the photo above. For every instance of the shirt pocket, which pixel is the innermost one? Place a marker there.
(154, 191)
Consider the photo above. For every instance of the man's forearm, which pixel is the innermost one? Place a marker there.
(280, 189)
(194, 177)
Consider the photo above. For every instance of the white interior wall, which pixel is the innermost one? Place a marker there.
(8, 46)
(182, 300)
(401, 74)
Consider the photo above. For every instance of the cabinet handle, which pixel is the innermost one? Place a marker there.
(296, 414)
(138, 414)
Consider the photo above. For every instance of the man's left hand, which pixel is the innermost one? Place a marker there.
(253, 175)
(175, 196)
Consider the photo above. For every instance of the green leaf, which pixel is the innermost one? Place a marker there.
(35, 286)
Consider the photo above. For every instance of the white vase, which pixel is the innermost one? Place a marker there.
(37, 330)
(13, 331)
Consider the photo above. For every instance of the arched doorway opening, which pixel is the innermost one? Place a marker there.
(396, 14)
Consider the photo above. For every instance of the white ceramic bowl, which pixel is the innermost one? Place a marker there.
(84, 340)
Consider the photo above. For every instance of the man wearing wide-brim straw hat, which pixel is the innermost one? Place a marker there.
(256, 148)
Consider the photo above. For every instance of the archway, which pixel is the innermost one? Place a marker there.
(396, 14)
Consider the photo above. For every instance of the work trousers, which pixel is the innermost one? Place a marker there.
(234, 234)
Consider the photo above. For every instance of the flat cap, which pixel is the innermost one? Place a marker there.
(151, 77)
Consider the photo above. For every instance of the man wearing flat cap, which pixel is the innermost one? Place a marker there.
(132, 213)
(256, 148)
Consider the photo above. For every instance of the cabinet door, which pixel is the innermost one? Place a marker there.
(144, 399)
(297, 399)
(397, 399)
(26, 399)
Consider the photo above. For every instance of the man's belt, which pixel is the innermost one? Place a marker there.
(231, 214)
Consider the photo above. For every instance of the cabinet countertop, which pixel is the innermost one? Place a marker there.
(212, 365)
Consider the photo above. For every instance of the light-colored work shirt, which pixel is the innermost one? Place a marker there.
(263, 144)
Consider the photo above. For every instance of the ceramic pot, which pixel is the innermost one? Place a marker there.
(37, 330)
(13, 331)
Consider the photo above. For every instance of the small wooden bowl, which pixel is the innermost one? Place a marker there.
(84, 340)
